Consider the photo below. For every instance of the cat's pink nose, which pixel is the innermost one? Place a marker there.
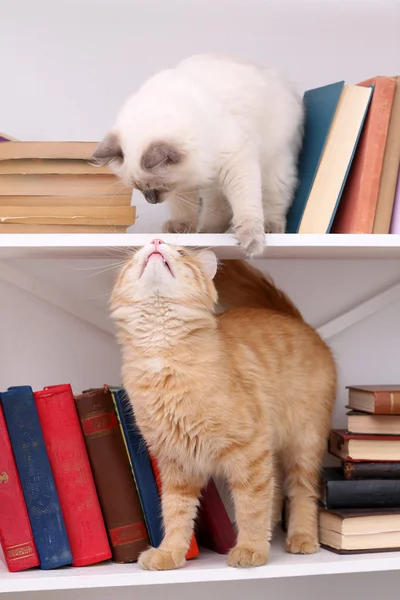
(156, 243)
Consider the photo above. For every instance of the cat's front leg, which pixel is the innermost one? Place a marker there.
(180, 499)
(252, 484)
(241, 184)
(184, 211)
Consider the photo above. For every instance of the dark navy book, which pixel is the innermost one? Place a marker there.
(141, 466)
(36, 477)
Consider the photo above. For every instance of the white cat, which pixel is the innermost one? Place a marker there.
(216, 137)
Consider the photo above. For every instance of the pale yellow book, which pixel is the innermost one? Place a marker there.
(66, 185)
(30, 201)
(68, 215)
(40, 166)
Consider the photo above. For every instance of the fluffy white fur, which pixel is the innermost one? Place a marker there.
(217, 138)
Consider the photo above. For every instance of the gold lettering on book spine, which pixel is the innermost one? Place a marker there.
(4, 477)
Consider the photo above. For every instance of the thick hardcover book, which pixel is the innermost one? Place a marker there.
(395, 220)
(338, 492)
(348, 531)
(16, 535)
(390, 169)
(371, 470)
(141, 466)
(356, 213)
(364, 448)
(360, 422)
(214, 528)
(72, 474)
(193, 548)
(375, 399)
(36, 477)
(112, 474)
(320, 105)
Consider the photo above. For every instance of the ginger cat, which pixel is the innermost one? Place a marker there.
(234, 394)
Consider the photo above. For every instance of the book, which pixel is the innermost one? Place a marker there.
(36, 477)
(375, 399)
(357, 208)
(16, 537)
(359, 422)
(40, 166)
(15, 228)
(23, 150)
(69, 462)
(395, 219)
(118, 497)
(214, 528)
(357, 447)
(29, 201)
(68, 215)
(193, 551)
(52, 185)
(347, 531)
(339, 492)
(336, 160)
(140, 466)
(320, 105)
(371, 470)
(390, 169)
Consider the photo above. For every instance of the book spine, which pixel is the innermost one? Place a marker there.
(395, 219)
(36, 477)
(387, 403)
(112, 475)
(72, 474)
(371, 470)
(16, 535)
(215, 529)
(193, 548)
(362, 494)
(141, 467)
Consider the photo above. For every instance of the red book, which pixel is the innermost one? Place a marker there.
(72, 475)
(356, 447)
(357, 208)
(214, 530)
(16, 536)
(193, 548)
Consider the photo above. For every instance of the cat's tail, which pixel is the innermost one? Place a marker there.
(241, 285)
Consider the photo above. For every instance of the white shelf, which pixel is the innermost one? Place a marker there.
(208, 567)
(225, 245)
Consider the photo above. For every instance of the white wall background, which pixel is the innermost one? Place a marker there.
(66, 67)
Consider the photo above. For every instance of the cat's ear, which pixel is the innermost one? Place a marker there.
(159, 154)
(208, 262)
(109, 150)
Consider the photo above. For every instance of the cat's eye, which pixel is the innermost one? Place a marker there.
(181, 252)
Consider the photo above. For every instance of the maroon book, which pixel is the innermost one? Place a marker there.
(355, 447)
(214, 528)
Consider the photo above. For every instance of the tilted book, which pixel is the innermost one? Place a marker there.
(36, 477)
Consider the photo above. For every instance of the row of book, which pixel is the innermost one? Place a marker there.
(51, 187)
(361, 498)
(78, 485)
(350, 159)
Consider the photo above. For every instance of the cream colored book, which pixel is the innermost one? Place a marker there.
(31, 201)
(68, 215)
(336, 159)
(18, 149)
(40, 166)
(15, 228)
(66, 185)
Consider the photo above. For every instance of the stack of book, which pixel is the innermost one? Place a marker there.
(361, 498)
(78, 485)
(349, 162)
(51, 187)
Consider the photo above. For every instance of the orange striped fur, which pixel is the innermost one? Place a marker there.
(247, 394)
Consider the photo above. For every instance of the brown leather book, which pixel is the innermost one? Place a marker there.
(357, 208)
(390, 169)
(375, 399)
(118, 497)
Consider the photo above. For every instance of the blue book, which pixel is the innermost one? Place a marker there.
(36, 477)
(320, 106)
(141, 466)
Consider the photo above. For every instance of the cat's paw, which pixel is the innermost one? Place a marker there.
(278, 226)
(302, 543)
(155, 559)
(252, 240)
(174, 226)
(240, 556)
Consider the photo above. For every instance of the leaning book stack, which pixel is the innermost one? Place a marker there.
(51, 187)
(78, 485)
(361, 498)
